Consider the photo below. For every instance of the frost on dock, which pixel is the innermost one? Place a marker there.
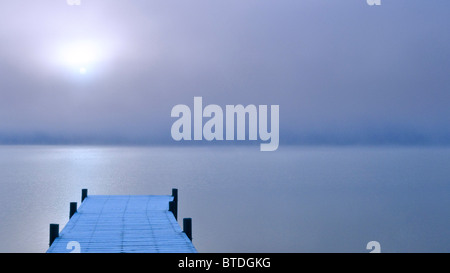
(123, 224)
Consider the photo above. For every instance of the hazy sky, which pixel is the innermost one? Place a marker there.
(111, 70)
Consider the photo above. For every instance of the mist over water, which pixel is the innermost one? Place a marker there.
(298, 199)
(342, 72)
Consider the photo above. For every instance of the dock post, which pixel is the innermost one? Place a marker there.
(73, 209)
(173, 205)
(187, 227)
(54, 232)
(84, 194)
(175, 196)
(172, 209)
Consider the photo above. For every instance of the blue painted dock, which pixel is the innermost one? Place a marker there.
(123, 224)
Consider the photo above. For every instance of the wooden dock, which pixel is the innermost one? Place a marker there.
(123, 224)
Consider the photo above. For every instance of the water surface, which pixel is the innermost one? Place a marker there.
(297, 199)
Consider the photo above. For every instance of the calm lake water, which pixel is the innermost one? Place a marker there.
(297, 199)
